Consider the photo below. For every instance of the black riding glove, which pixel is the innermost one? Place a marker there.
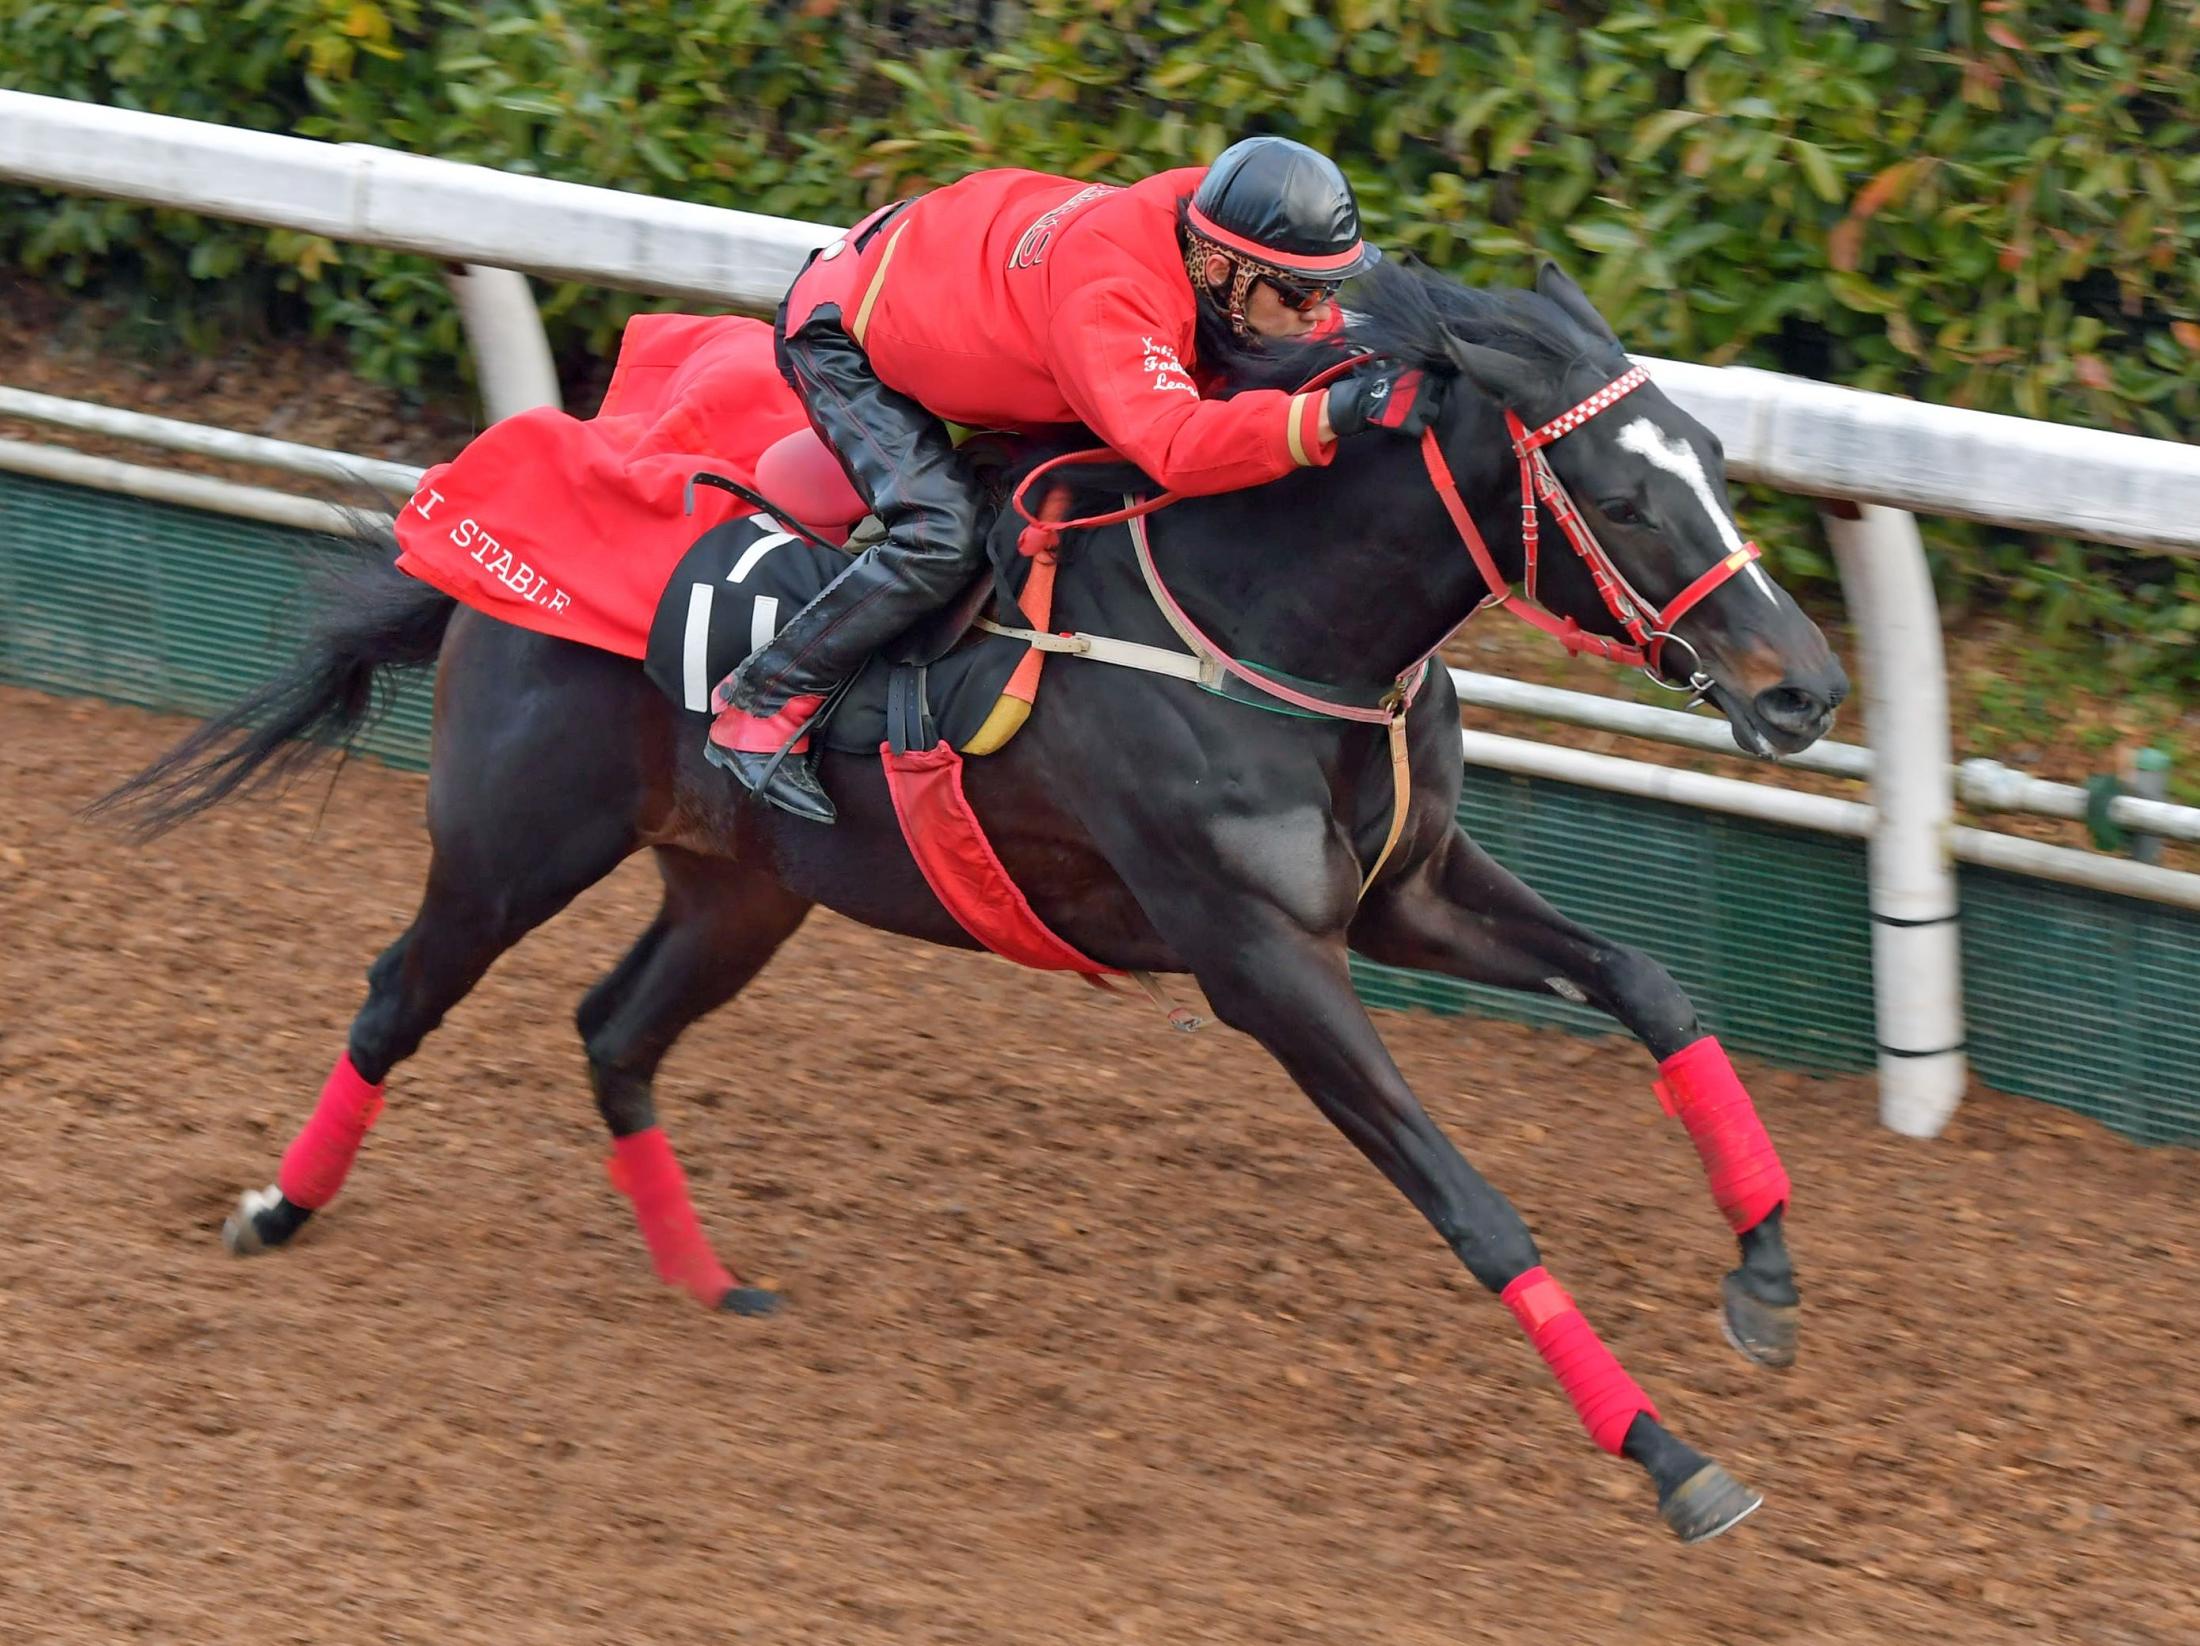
(1403, 399)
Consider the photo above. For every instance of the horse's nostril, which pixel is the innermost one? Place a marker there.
(1790, 708)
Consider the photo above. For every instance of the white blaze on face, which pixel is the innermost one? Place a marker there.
(1676, 457)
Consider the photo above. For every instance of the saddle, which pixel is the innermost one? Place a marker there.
(741, 579)
(946, 690)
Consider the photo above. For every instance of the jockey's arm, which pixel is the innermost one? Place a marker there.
(1115, 356)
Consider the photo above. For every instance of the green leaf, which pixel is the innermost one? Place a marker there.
(1824, 181)
(531, 102)
(1606, 239)
(1854, 292)
(1654, 133)
(661, 160)
(1685, 45)
(1479, 108)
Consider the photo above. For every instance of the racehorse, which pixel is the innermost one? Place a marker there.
(1152, 825)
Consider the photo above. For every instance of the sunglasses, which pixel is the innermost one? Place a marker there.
(1300, 299)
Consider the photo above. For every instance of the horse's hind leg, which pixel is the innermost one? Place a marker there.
(1463, 914)
(532, 797)
(721, 922)
(465, 920)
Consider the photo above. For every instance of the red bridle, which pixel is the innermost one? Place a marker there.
(1648, 628)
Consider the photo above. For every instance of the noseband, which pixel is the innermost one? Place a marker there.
(1648, 628)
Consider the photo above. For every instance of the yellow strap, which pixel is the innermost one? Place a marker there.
(1005, 720)
(1180, 1017)
(878, 280)
(1401, 783)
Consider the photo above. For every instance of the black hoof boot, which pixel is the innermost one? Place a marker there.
(262, 1221)
(1761, 1331)
(1707, 1503)
(783, 781)
(750, 1301)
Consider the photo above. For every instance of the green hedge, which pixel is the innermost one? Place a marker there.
(1990, 204)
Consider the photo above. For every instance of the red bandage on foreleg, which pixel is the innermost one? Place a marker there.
(644, 1168)
(1602, 1392)
(321, 1154)
(1747, 1179)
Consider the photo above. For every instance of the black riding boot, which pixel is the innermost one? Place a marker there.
(902, 461)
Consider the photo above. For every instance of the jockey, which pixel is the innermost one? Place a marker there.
(1016, 300)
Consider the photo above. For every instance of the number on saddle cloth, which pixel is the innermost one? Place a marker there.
(741, 581)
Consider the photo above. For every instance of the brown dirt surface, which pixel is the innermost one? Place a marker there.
(1096, 1333)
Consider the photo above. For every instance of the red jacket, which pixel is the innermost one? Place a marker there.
(1013, 300)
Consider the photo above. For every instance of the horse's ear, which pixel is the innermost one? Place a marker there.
(1505, 378)
(1556, 284)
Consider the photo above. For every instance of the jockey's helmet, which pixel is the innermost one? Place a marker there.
(1279, 210)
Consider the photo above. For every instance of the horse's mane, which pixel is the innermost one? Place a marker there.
(1408, 313)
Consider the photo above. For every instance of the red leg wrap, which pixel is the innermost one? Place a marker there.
(643, 1167)
(1747, 1179)
(1602, 1392)
(763, 734)
(315, 1164)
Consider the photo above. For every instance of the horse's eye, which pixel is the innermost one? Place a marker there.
(1620, 512)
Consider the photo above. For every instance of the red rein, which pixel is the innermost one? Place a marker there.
(1648, 627)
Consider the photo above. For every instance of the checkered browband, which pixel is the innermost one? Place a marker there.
(1566, 422)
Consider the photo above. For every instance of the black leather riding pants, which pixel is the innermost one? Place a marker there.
(904, 464)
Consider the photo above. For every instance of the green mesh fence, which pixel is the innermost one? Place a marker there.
(2087, 1001)
(1767, 928)
(165, 607)
(2083, 1000)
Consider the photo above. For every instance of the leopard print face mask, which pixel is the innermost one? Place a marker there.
(1243, 273)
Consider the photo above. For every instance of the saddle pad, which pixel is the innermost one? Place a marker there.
(741, 581)
(568, 526)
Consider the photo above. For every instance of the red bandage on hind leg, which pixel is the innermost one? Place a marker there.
(643, 1167)
(1602, 1392)
(319, 1157)
(1747, 1179)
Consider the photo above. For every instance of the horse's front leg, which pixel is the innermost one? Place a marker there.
(1290, 988)
(1461, 913)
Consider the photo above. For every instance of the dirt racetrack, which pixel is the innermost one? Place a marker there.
(1097, 1334)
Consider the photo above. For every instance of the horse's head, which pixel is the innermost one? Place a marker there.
(1650, 484)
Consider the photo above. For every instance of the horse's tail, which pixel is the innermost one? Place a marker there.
(367, 618)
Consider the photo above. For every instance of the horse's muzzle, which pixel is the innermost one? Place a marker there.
(1799, 710)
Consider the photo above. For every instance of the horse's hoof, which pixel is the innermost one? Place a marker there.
(750, 1301)
(1707, 1503)
(262, 1221)
(1760, 1331)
